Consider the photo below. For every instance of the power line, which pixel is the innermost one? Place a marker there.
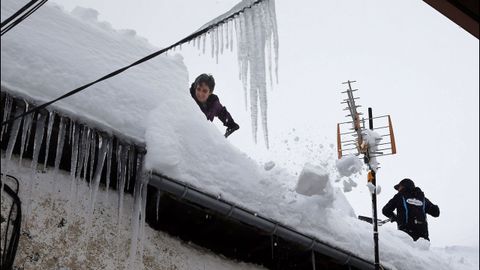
(144, 59)
(30, 8)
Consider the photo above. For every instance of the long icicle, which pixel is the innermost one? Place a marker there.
(6, 112)
(102, 152)
(74, 160)
(141, 184)
(39, 131)
(14, 133)
(59, 153)
(60, 143)
(27, 123)
(51, 120)
(93, 146)
(109, 165)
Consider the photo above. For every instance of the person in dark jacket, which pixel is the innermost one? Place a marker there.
(411, 208)
(202, 92)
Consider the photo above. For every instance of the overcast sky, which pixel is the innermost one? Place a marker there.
(409, 61)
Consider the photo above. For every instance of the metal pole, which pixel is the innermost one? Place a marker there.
(374, 200)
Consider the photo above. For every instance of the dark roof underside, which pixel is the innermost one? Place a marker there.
(465, 13)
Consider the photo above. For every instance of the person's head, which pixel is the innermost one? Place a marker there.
(204, 85)
(405, 184)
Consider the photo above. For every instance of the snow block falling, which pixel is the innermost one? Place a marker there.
(256, 35)
(313, 180)
(348, 165)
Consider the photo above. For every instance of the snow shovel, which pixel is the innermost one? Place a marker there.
(370, 220)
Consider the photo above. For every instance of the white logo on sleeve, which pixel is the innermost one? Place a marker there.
(414, 201)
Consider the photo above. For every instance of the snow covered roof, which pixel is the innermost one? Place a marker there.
(59, 52)
(53, 52)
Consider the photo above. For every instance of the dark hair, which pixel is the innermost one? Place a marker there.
(206, 79)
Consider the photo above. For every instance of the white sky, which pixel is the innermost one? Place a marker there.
(409, 61)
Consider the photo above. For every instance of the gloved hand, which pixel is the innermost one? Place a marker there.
(232, 127)
(393, 218)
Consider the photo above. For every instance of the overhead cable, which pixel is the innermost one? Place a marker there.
(15, 19)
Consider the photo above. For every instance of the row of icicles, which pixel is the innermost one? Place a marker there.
(92, 152)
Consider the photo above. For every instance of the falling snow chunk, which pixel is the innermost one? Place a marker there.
(269, 165)
(313, 180)
(348, 165)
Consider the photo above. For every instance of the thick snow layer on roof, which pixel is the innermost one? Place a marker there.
(183, 145)
(53, 52)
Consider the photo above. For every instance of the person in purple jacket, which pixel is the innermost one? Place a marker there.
(202, 92)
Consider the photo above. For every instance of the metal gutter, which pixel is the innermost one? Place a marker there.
(196, 196)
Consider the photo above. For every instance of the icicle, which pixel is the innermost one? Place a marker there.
(70, 137)
(212, 43)
(131, 159)
(204, 38)
(6, 112)
(221, 30)
(103, 146)
(127, 166)
(138, 212)
(260, 36)
(73, 162)
(82, 146)
(87, 153)
(109, 164)
(51, 120)
(199, 39)
(239, 35)
(193, 42)
(231, 34)
(121, 160)
(159, 194)
(60, 142)
(227, 34)
(216, 44)
(14, 133)
(27, 124)
(143, 211)
(93, 146)
(39, 131)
